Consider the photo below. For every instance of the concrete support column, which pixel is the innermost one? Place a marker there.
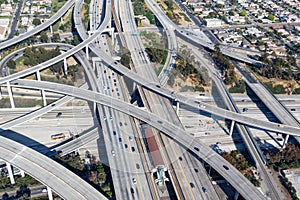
(12, 103)
(51, 29)
(50, 196)
(134, 87)
(236, 195)
(22, 173)
(94, 66)
(65, 66)
(285, 140)
(112, 36)
(38, 77)
(87, 51)
(231, 127)
(10, 173)
(177, 108)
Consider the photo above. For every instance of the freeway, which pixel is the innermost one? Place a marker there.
(245, 133)
(79, 56)
(274, 127)
(194, 38)
(181, 170)
(39, 28)
(232, 175)
(125, 165)
(64, 182)
(67, 54)
(270, 100)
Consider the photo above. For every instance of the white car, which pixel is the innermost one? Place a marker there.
(113, 153)
(134, 181)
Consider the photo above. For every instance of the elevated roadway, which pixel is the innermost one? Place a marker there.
(274, 127)
(64, 182)
(180, 165)
(234, 177)
(194, 38)
(39, 28)
(270, 100)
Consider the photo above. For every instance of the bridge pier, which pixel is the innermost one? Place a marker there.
(10, 173)
(285, 141)
(38, 77)
(51, 29)
(231, 127)
(49, 191)
(12, 103)
(112, 36)
(65, 67)
(22, 172)
(87, 51)
(177, 108)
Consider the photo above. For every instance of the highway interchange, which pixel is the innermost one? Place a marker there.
(111, 103)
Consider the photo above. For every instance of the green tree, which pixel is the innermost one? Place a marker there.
(271, 17)
(243, 13)
(36, 21)
(11, 64)
(75, 40)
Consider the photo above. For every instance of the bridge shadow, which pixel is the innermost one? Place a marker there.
(26, 141)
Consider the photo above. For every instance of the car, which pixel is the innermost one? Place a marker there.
(120, 139)
(134, 181)
(204, 189)
(132, 190)
(44, 190)
(130, 138)
(245, 109)
(113, 153)
(114, 132)
(132, 149)
(137, 166)
(126, 146)
(104, 117)
(111, 118)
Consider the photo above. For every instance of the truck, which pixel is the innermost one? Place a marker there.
(58, 136)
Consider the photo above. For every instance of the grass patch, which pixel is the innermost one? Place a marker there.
(277, 89)
(21, 102)
(158, 70)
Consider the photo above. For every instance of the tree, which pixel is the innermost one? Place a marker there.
(243, 13)
(36, 21)
(11, 64)
(56, 37)
(271, 17)
(75, 40)
(44, 37)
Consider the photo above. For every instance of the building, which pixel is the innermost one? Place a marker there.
(214, 22)
(4, 22)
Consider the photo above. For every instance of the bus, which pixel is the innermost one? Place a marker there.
(58, 136)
